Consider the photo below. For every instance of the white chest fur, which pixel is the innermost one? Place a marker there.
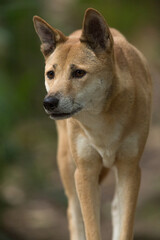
(106, 145)
(102, 138)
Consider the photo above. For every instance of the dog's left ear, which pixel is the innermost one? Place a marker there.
(95, 31)
(49, 36)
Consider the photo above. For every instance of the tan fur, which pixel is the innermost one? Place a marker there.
(110, 130)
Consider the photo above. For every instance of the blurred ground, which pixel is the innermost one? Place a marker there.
(32, 201)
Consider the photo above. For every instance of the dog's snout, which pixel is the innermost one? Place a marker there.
(50, 103)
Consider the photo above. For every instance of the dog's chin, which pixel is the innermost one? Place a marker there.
(61, 115)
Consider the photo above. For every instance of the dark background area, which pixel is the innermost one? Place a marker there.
(32, 201)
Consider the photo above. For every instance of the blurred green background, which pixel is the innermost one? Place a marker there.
(32, 201)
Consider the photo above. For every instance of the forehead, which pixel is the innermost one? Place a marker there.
(72, 53)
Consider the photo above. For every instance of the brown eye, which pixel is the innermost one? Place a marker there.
(79, 73)
(50, 74)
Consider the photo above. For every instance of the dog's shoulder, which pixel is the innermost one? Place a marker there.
(121, 45)
(128, 57)
(118, 36)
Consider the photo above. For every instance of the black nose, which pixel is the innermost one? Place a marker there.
(50, 103)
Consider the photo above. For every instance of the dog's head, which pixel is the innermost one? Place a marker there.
(79, 68)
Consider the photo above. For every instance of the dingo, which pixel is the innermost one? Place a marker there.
(99, 87)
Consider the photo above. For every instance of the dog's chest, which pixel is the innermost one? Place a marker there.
(105, 140)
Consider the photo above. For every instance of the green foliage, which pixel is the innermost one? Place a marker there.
(21, 78)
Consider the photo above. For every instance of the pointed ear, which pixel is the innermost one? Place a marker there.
(95, 31)
(49, 36)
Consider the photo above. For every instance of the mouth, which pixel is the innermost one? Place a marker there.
(60, 116)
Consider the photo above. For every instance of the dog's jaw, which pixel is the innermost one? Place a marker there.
(61, 116)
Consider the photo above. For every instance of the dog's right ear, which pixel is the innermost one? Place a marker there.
(49, 36)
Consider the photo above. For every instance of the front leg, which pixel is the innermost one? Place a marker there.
(87, 185)
(88, 168)
(127, 186)
(67, 169)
